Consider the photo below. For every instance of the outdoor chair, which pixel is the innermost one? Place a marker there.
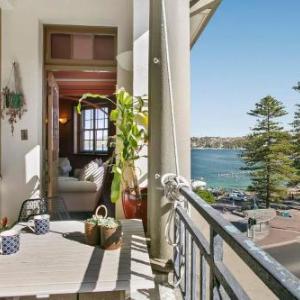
(54, 206)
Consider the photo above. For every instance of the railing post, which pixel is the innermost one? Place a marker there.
(202, 277)
(216, 251)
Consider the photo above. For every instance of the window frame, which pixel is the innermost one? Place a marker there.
(80, 131)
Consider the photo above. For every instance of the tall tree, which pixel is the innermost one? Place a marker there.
(296, 137)
(267, 151)
(297, 87)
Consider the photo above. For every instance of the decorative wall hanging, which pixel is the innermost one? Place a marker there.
(12, 100)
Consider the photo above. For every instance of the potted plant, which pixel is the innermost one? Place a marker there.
(92, 233)
(92, 227)
(130, 117)
(131, 120)
(3, 224)
(111, 234)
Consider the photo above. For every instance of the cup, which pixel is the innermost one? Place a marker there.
(41, 224)
(9, 242)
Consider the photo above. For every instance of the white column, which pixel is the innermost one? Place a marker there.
(161, 147)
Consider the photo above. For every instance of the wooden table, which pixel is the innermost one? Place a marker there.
(60, 263)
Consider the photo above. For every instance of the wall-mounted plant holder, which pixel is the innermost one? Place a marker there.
(12, 100)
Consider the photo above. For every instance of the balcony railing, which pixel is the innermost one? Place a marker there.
(196, 258)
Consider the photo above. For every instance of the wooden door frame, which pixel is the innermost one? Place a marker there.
(52, 127)
(52, 68)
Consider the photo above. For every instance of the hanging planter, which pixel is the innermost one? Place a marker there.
(12, 99)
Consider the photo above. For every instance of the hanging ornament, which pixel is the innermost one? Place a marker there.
(12, 102)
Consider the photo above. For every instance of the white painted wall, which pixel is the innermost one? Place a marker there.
(140, 66)
(22, 42)
(140, 75)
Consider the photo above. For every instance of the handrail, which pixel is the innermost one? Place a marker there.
(280, 281)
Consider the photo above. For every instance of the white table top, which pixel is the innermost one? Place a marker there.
(61, 263)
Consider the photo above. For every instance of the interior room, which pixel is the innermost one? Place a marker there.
(83, 176)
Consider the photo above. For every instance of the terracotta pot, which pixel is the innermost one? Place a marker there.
(111, 238)
(133, 208)
(92, 234)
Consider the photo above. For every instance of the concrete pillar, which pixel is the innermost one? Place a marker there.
(161, 146)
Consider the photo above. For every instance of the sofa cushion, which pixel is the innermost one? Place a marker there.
(98, 176)
(88, 171)
(67, 178)
(98, 161)
(66, 186)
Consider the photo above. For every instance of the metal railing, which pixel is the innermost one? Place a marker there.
(197, 255)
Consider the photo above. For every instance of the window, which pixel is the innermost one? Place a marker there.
(76, 45)
(94, 130)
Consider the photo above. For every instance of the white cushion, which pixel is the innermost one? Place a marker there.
(67, 178)
(77, 186)
(88, 170)
(98, 176)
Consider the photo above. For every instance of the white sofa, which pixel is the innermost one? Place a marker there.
(83, 193)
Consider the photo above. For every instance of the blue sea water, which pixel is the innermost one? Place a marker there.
(219, 168)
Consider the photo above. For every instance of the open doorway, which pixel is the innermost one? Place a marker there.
(78, 144)
(79, 60)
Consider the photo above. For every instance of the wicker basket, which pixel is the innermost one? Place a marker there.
(111, 238)
(92, 231)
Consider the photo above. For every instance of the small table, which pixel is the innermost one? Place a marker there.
(60, 263)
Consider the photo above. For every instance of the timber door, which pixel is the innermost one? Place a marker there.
(53, 135)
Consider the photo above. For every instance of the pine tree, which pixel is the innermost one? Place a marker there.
(297, 87)
(268, 150)
(296, 138)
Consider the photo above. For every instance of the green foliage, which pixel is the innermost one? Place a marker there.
(207, 196)
(109, 223)
(296, 139)
(297, 87)
(4, 224)
(268, 151)
(131, 120)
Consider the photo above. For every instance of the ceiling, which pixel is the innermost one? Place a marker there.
(77, 83)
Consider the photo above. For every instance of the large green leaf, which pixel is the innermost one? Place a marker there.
(116, 188)
(78, 108)
(114, 115)
(142, 119)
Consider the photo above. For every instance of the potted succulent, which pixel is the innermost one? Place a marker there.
(130, 117)
(92, 227)
(92, 233)
(111, 234)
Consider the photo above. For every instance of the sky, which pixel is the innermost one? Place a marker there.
(249, 49)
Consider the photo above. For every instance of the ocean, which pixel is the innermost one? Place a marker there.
(219, 168)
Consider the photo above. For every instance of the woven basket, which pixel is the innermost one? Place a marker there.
(92, 231)
(111, 238)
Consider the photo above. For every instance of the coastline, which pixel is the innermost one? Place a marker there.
(208, 148)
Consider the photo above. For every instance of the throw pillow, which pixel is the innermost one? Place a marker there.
(64, 166)
(88, 171)
(99, 176)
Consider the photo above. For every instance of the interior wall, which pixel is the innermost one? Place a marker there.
(22, 41)
(66, 131)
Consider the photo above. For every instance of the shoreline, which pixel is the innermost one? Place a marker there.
(205, 148)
